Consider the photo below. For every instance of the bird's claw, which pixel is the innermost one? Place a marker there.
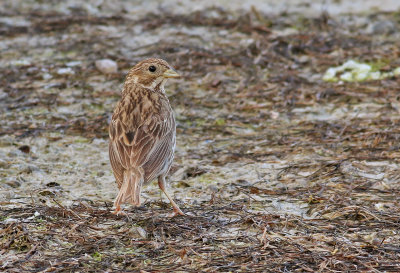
(176, 212)
(118, 211)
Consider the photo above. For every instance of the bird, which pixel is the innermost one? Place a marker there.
(142, 132)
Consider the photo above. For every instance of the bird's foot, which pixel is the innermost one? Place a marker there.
(177, 211)
(118, 211)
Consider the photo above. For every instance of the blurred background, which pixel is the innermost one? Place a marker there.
(286, 109)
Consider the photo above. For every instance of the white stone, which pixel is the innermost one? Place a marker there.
(65, 71)
(22, 62)
(73, 63)
(47, 76)
(107, 66)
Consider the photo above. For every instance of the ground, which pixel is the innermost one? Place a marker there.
(276, 169)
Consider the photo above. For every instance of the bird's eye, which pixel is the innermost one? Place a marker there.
(152, 68)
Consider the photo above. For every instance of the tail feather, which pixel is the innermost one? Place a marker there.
(130, 189)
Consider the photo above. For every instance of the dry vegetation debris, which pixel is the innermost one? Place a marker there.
(277, 170)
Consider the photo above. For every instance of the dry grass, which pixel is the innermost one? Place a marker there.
(331, 202)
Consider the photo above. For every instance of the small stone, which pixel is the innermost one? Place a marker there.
(13, 184)
(142, 232)
(28, 168)
(22, 62)
(303, 59)
(25, 149)
(380, 206)
(274, 115)
(3, 94)
(106, 66)
(65, 71)
(383, 27)
(10, 221)
(4, 164)
(47, 76)
(212, 188)
(73, 63)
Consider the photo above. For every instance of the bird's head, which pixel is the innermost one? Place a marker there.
(151, 73)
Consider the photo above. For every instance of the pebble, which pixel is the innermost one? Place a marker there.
(47, 76)
(13, 184)
(10, 221)
(3, 94)
(383, 27)
(73, 63)
(106, 66)
(22, 62)
(65, 71)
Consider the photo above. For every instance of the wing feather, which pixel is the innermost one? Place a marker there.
(161, 158)
(116, 163)
(146, 142)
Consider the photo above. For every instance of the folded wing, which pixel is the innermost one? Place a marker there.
(147, 144)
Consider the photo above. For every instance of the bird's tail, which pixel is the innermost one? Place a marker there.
(130, 189)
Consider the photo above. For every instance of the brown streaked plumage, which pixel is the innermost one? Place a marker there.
(142, 132)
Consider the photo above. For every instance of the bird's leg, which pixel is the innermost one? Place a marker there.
(161, 184)
(118, 211)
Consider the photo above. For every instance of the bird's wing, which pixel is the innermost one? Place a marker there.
(161, 157)
(133, 143)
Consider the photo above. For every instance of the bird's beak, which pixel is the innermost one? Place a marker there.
(170, 73)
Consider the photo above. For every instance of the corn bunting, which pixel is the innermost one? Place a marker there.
(142, 132)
